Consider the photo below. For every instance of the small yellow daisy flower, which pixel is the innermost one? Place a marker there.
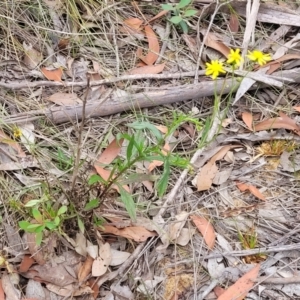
(234, 57)
(214, 68)
(259, 57)
(17, 132)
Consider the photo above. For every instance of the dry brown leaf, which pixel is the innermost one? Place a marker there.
(252, 189)
(65, 99)
(111, 152)
(206, 229)
(234, 23)
(158, 163)
(276, 64)
(32, 57)
(68, 290)
(26, 263)
(137, 233)
(6, 140)
(209, 170)
(94, 286)
(160, 14)
(153, 43)
(57, 275)
(134, 23)
(37, 252)
(106, 157)
(219, 291)
(9, 289)
(206, 176)
(85, 269)
(148, 69)
(63, 43)
(52, 75)
(102, 262)
(240, 289)
(283, 121)
(297, 108)
(2, 296)
(212, 42)
(162, 128)
(248, 119)
(105, 174)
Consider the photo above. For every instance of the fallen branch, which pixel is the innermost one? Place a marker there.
(115, 105)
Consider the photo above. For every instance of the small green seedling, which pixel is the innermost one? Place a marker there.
(45, 219)
(181, 12)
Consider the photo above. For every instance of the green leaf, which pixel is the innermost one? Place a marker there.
(62, 210)
(146, 125)
(56, 221)
(33, 226)
(23, 225)
(163, 182)
(167, 7)
(183, 3)
(80, 225)
(50, 225)
(39, 238)
(94, 179)
(37, 215)
(152, 157)
(128, 201)
(33, 202)
(176, 19)
(184, 26)
(190, 12)
(130, 148)
(92, 204)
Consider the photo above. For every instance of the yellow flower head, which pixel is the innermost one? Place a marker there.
(214, 68)
(17, 132)
(234, 57)
(259, 57)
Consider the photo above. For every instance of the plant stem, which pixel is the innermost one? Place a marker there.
(79, 144)
(118, 176)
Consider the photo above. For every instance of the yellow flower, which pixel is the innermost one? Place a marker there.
(259, 57)
(234, 57)
(17, 132)
(214, 69)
